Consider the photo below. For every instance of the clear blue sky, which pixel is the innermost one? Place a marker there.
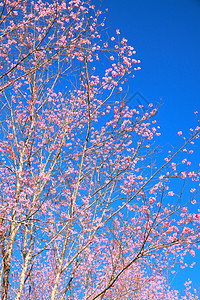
(166, 36)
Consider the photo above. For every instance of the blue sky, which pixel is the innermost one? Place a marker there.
(166, 36)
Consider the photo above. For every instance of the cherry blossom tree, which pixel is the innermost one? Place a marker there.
(90, 206)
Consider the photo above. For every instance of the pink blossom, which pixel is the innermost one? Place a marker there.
(183, 175)
(186, 230)
(170, 193)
